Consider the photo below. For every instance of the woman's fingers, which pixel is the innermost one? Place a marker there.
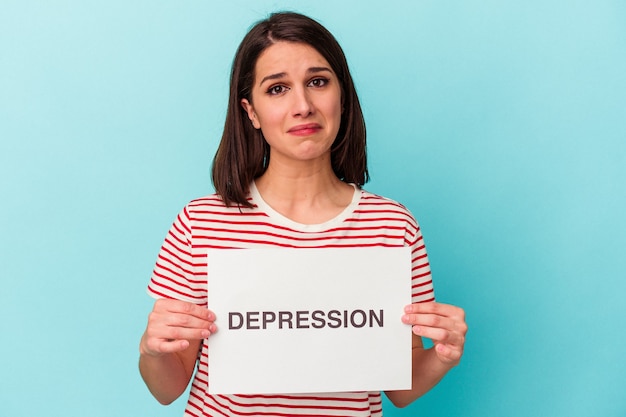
(445, 317)
(444, 324)
(440, 309)
(183, 307)
(172, 323)
(449, 354)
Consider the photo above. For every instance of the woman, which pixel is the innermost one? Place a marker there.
(287, 173)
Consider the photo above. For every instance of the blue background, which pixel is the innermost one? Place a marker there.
(501, 125)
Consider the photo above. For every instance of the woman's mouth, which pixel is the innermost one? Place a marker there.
(305, 129)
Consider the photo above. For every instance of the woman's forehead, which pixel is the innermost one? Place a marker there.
(288, 57)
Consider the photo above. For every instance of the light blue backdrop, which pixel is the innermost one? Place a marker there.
(501, 125)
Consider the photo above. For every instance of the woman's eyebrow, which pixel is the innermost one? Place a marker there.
(273, 77)
(315, 70)
(279, 75)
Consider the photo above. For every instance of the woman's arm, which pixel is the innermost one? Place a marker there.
(169, 347)
(168, 375)
(445, 325)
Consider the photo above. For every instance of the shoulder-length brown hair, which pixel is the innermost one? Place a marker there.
(243, 153)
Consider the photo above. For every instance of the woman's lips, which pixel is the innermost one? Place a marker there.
(305, 129)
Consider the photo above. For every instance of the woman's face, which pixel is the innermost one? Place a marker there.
(296, 102)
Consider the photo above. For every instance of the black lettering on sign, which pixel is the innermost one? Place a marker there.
(318, 319)
(374, 317)
(335, 317)
(253, 318)
(268, 317)
(285, 317)
(305, 319)
(302, 319)
(231, 319)
(355, 322)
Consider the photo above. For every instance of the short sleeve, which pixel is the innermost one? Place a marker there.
(421, 282)
(175, 275)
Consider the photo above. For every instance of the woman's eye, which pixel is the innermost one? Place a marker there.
(318, 82)
(276, 89)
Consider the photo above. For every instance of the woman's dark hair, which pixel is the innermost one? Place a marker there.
(243, 153)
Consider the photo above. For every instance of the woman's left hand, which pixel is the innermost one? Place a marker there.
(444, 324)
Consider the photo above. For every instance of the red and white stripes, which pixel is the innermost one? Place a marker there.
(181, 269)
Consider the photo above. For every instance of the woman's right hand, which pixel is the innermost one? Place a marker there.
(172, 324)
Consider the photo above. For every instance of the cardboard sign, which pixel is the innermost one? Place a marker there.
(309, 320)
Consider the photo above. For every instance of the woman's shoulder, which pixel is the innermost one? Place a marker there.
(384, 208)
(379, 201)
(209, 200)
(376, 204)
(213, 203)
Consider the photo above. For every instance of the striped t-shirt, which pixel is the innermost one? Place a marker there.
(180, 273)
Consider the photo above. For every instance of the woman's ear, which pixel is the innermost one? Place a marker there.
(247, 106)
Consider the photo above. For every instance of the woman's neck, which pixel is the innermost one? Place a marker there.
(307, 196)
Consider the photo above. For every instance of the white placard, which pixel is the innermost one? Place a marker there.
(309, 320)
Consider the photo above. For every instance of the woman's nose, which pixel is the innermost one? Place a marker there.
(302, 103)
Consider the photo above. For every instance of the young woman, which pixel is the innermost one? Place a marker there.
(288, 173)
